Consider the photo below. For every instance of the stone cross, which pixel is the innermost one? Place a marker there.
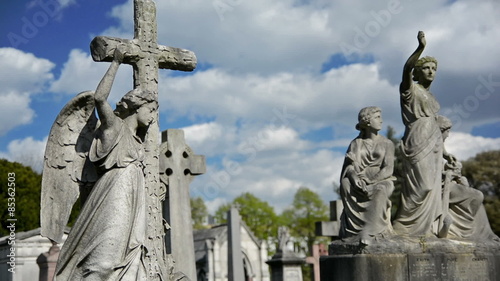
(178, 166)
(235, 258)
(146, 57)
(318, 250)
(331, 228)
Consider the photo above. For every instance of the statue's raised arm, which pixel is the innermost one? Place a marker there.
(407, 78)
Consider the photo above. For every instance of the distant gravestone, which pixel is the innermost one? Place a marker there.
(235, 258)
(285, 264)
(331, 228)
(178, 166)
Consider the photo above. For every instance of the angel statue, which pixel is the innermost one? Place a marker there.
(103, 159)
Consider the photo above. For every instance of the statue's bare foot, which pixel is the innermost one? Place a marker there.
(447, 222)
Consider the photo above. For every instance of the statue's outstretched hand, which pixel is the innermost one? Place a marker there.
(421, 39)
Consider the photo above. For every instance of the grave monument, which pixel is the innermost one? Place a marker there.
(113, 165)
(441, 231)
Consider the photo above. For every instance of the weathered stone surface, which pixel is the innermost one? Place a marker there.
(425, 259)
(234, 256)
(178, 166)
(365, 267)
(366, 180)
(123, 213)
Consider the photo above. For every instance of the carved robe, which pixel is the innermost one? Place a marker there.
(422, 147)
(367, 212)
(107, 240)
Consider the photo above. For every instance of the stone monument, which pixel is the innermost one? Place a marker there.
(441, 231)
(119, 234)
(178, 166)
(234, 256)
(285, 264)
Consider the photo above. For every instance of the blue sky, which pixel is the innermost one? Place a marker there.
(275, 98)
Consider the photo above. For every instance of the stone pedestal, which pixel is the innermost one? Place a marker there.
(407, 260)
(286, 266)
(47, 263)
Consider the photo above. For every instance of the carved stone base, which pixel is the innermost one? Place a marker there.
(412, 260)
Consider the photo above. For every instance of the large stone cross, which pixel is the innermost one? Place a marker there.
(178, 166)
(146, 57)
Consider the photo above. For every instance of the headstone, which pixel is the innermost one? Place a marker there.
(331, 228)
(285, 264)
(318, 251)
(47, 263)
(146, 57)
(178, 166)
(235, 258)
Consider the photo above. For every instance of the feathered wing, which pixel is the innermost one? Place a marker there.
(66, 165)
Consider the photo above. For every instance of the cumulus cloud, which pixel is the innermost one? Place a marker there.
(465, 146)
(27, 151)
(22, 75)
(80, 73)
(273, 73)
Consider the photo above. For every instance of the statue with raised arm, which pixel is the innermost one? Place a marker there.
(106, 159)
(367, 182)
(422, 148)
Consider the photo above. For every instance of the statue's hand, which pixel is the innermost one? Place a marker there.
(421, 39)
(119, 53)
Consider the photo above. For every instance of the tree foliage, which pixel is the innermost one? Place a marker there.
(257, 214)
(307, 209)
(27, 184)
(483, 173)
(199, 213)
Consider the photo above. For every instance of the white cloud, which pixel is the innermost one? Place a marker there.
(21, 76)
(80, 73)
(27, 151)
(465, 146)
(264, 92)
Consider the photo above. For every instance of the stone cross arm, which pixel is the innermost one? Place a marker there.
(103, 47)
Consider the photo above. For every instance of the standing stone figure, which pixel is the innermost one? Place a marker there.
(366, 180)
(422, 148)
(462, 204)
(107, 241)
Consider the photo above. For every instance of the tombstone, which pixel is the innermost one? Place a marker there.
(68, 149)
(47, 263)
(146, 57)
(318, 251)
(178, 166)
(234, 256)
(331, 228)
(285, 265)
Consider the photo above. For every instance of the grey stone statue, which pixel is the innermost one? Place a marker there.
(283, 239)
(366, 181)
(463, 210)
(422, 147)
(107, 240)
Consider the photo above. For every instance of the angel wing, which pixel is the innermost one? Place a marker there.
(66, 164)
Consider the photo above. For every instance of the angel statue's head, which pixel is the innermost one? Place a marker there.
(132, 101)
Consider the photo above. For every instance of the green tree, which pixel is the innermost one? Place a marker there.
(482, 172)
(257, 214)
(26, 196)
(198, 212)
(301, 217)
